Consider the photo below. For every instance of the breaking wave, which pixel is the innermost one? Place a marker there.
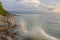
(34, 33)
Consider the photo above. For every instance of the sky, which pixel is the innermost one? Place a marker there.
(32, 5)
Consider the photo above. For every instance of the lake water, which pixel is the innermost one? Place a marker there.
(50, 23)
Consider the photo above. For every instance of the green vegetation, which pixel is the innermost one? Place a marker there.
(3, 11)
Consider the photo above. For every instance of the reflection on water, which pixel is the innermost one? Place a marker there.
(49, 22)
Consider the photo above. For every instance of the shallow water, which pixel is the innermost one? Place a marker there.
(50, 23)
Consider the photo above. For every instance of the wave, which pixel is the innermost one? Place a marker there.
(35, 32)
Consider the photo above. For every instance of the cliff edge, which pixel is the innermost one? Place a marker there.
(3, 11)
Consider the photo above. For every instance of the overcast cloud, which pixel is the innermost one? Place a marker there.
(32, 5)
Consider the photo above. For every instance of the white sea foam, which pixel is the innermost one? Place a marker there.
(35, 33)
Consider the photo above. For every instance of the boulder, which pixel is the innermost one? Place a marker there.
(6, 21)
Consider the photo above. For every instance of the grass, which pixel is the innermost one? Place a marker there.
(3, 11)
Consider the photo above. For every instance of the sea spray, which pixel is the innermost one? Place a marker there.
(35, 32)
(22, 26)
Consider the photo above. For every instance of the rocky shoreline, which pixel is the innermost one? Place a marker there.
(6, 23)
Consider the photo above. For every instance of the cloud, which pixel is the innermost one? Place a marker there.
(47, 5)
(31, 2)
(56, 10)
(31, 5)
(24, 2)
(21, 4)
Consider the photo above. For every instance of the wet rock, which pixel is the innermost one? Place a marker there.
(27, 39)
(6, 21)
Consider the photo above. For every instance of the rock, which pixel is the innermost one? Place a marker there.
(5, 21)
(4, 37)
